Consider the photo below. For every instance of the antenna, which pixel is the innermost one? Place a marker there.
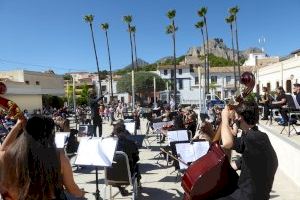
(262, 42)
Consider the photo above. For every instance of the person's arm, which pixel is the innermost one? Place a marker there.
(68, 180)
(226, 131)
(12, 135)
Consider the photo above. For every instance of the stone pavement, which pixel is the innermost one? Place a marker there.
(159, 181)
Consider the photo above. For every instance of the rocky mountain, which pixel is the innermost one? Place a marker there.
(140, 63)
(219, 49)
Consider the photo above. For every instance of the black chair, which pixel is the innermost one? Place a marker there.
(119, 175)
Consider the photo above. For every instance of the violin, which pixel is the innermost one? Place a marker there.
(167, 127)
(12, 109)
(212, 176)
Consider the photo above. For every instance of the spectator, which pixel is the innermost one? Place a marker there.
(297, 92)
(31, 166)
(279, 103)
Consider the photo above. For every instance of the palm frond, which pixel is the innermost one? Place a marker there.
(88, 18)
(127, 19)
(104, 26)
(202, 12)
(171, 14)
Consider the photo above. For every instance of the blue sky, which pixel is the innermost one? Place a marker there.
(43, 34)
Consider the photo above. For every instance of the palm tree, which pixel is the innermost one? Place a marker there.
(233, 11)
(89, 19)
(171, 29)
(133, 30)
(229, 20)
(105, 27)
(200, 25)
(128, 19)
(202, 13)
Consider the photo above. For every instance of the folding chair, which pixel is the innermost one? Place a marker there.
(119, 175)
(291, 108)
(148, 134)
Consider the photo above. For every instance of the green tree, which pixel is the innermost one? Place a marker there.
(171, 29)
(143, 83)
(229, 20)
(89, 19)
(128, 19)
(105, 27)
(233, 11)
(202, 13)
(200, 25)
(67, 77)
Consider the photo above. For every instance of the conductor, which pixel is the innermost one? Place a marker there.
(96, 118)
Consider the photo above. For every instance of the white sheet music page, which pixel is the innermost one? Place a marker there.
(172, 136)
(130, 126)
(182, 135)
(60, 139)
(96, 151)
(190, 152)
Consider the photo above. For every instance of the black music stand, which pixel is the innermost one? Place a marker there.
(291, 106)
(88, 155)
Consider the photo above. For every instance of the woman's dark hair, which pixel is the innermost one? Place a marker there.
(120, 129)
(178, 122)
(31, 163)
(249, 111)
(281, 90)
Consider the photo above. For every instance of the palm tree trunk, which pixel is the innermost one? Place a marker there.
(174, 61)
(233, 57)
(110, 72)
(95, 51)
(237, 50)
(207, 52)
(136, 58)
(205, 63)
(132, 69)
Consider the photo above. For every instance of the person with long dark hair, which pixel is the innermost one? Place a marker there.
(31, 165)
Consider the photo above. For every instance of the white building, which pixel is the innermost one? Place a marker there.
(284, 73)
(27, 87)
(221, 81)
(260, 59)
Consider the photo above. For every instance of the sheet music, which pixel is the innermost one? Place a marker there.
(180, 135)
(190, 152)
(130, 126)
(96, 151)
(60, 139)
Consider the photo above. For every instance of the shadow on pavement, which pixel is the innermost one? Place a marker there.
(156, 193)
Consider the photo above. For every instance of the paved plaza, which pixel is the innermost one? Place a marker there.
(159, 181)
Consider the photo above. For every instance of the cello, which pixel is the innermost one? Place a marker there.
(212, 176)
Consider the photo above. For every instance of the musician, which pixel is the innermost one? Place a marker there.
(191, 120)
(297, 92)
(280, 103)
(259, 161)
(130, 148)
(97, 120)
(266, 99)
(206, 132)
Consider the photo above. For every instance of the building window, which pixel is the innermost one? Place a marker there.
(165, 72)
(27, 82)
(228, 79)
(103, 87)
(196, 80)
(277, 84)
(213, 79)
(191, 68)
(172, 73)
(269, 86)
(288, 86)
(180, 84)
(179, 71)
(122, 99)
(37, 83)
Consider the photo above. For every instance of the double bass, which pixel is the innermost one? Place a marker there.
(212, 176)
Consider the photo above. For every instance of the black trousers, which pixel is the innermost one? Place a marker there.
(97, 122)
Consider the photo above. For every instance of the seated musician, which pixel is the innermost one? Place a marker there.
(265, 101)
(191, 120)
(130, 148)
(296, 92)
(177, 125)
(279, 104)
(259, 161)
(205, 132)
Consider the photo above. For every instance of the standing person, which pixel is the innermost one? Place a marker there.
(265, 102)
(96, 118)
(259, 161)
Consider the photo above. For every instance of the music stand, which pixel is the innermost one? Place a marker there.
(96, 152)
